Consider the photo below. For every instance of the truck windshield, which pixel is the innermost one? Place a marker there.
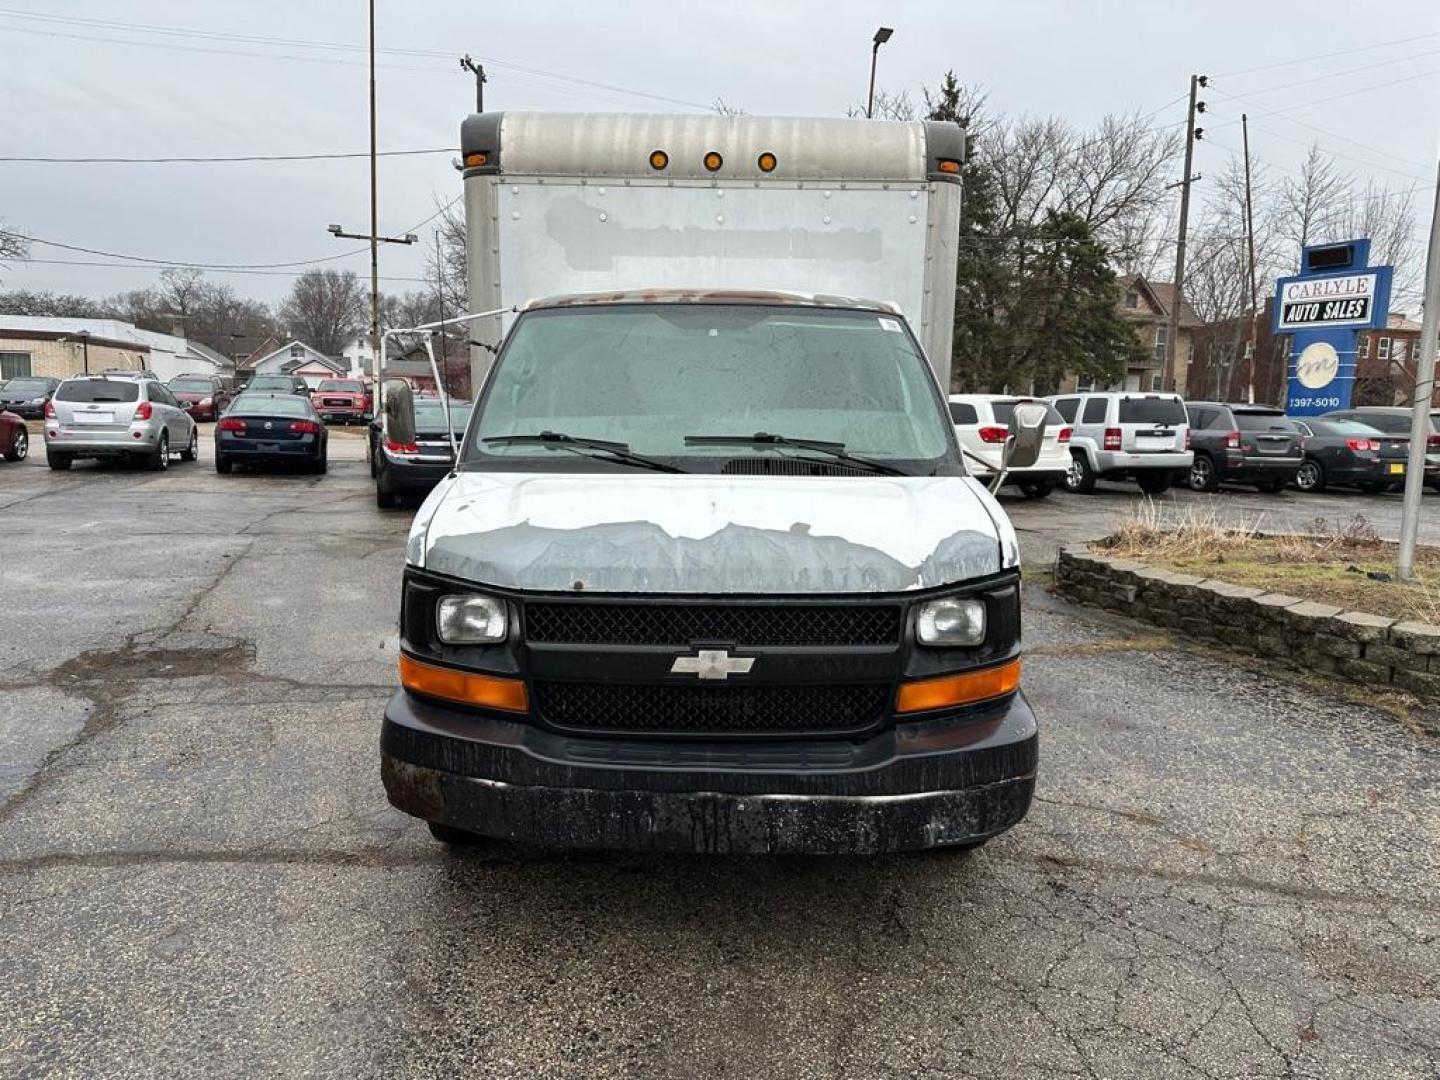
(649, 375)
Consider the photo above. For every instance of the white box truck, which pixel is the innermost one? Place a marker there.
(708, 574)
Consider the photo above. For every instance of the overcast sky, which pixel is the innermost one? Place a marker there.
(160, 78)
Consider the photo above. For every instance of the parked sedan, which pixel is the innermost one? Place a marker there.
(981, 424)
(1345, 453)
(27, 396)
(277, 384)
(1242, 444)
(262, 428)
(1395, 420)
(204, 397)
(412, 469)
(104, 416)
(340, 399)
(14, 437)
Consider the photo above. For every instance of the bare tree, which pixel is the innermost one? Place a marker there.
(1114, 181)
(1307, 205)
(724, 108)
(325, 309)
(888, 106)
(13, 246)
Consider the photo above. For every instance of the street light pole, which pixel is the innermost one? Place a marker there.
(881, 36)
(1420, 405)
(374, 205)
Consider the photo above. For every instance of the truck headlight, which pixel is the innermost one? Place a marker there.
(470, 620)
(951, 621)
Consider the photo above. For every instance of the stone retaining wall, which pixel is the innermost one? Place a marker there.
(1365, 649)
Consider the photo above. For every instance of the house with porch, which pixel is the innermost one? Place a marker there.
(1146, 304)
(294, 358)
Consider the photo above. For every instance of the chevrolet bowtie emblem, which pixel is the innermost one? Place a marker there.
(712, 664)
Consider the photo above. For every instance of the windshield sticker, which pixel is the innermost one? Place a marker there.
(890, 324)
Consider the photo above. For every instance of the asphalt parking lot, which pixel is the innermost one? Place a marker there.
(1227, 872)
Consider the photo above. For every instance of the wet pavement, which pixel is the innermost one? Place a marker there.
(1229, 871)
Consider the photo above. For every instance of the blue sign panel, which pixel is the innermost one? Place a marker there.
(1336, 295)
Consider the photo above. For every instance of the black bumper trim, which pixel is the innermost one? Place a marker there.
(991, 745)
(706, 821)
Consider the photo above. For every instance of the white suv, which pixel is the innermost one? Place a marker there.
(1126, 436)
(981, 424)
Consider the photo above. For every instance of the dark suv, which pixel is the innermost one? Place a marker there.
(1242, 444)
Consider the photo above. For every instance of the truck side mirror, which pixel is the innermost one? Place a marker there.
(399, 411)
(1026, 434)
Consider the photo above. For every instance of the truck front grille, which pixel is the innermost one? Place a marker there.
(555, 622)
(741, 709)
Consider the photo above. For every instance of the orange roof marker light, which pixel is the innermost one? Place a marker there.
(713, 161)
(766, 162)
(659, 159)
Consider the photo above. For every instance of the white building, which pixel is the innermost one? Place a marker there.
(167, 355)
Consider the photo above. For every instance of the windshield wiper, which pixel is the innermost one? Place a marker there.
(835, 450)
(579, 444)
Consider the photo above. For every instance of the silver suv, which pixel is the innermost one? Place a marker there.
(121, 415)
(1126, 436)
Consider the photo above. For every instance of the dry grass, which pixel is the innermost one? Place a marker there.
(1342, 562)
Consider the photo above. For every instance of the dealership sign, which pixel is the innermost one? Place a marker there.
(1331, 301)
(1323, 309)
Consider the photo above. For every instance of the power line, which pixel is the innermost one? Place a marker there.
(1333, 134)
(177, 262)
(1329, 76)
(222, 159)
(329, 46)
(1348, 93)
(1326, 56)
(152, 266)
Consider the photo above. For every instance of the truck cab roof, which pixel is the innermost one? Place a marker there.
(766, 297)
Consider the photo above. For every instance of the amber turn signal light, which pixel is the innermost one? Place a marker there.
(713, 161)
(659, 159)
(966, 688)
(476, 160)
(767, 162)
(463, 687)
(948, 165)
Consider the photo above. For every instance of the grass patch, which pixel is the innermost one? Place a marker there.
(1344, 563)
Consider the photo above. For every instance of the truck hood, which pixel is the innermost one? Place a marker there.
(710, 534)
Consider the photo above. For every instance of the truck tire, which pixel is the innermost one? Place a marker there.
(1203, 476)
(1080, 478)
(1153, 483)
(1036, 489)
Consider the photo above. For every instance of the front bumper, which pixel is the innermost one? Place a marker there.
(920, 784)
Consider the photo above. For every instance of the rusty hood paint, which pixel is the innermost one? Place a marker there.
(709, 534)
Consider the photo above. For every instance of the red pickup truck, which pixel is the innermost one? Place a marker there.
(341, 399)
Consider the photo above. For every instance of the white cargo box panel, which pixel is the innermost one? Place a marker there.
(568, 204)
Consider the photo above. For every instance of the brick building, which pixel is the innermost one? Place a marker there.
(1146, 304)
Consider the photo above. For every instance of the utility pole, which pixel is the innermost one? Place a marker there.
(85, 348)
(440, 303)
(1250, 244)
(881, 36)
(478, 70)
(1172, 335)
(1420, 405)
(375, 209)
